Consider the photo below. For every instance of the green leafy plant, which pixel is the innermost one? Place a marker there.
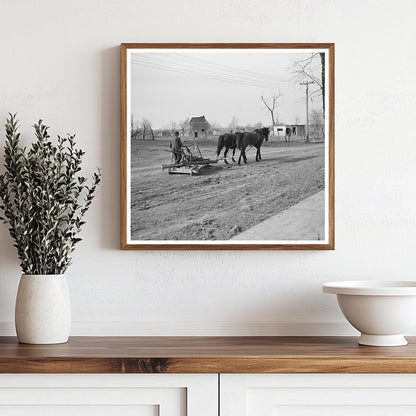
(44, 198)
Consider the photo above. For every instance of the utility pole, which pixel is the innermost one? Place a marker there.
(307, 107)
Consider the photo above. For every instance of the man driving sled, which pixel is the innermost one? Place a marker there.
(176, 146)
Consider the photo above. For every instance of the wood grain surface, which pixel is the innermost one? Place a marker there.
(206, 355)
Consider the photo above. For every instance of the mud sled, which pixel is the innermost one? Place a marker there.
(192, 162)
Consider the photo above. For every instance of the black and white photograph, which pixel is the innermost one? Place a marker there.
(228, 147)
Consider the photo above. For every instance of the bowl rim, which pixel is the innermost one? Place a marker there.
(371, 288)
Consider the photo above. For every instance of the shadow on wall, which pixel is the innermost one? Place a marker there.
(110, 148)
(9, 277)
(266, 317)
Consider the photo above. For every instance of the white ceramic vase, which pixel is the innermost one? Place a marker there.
(43, 309)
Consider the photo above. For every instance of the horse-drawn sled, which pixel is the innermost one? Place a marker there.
(191, 161)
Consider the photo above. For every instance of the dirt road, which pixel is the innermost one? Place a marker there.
(226, 199)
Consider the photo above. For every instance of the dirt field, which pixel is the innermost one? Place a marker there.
(226, 199)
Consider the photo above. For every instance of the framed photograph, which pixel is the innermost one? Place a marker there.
(227, 146)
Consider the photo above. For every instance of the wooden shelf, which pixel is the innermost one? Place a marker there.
(206, 355)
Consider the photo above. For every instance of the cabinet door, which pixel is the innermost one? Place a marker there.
(108, 395)
(318, 394)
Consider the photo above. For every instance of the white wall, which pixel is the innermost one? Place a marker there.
(60, 61)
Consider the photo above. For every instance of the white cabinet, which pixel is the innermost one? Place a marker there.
(317, 394)
(197, 395)
(109, 395)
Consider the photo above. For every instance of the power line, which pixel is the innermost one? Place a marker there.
(270, 77)
(195, 74)
(207, 70)
(201, 67)
(307, 83)
(204, 75)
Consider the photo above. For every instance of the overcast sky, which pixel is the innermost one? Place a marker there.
(171, 86)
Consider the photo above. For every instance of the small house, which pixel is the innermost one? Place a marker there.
(199, 126)
(289, 130)
(298, 130)
(279, 130)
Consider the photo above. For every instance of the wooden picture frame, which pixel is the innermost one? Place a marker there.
(153, 73)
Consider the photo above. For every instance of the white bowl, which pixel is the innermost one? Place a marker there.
(381, 311)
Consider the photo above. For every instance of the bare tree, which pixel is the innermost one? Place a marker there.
(296, 122)
(233, 124)
(311, 68)
(147, 127)
(174, 126)
(185, 126)
(322, 55)
(271, 106)
(214, 125)
(134, 128)
(317, 122)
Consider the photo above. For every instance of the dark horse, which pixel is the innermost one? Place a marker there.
(255, 139)
(228, 141)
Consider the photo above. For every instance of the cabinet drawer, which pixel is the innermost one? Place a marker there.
(108, 395)
(318, 394)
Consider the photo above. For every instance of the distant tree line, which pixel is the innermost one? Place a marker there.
(142, 129)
